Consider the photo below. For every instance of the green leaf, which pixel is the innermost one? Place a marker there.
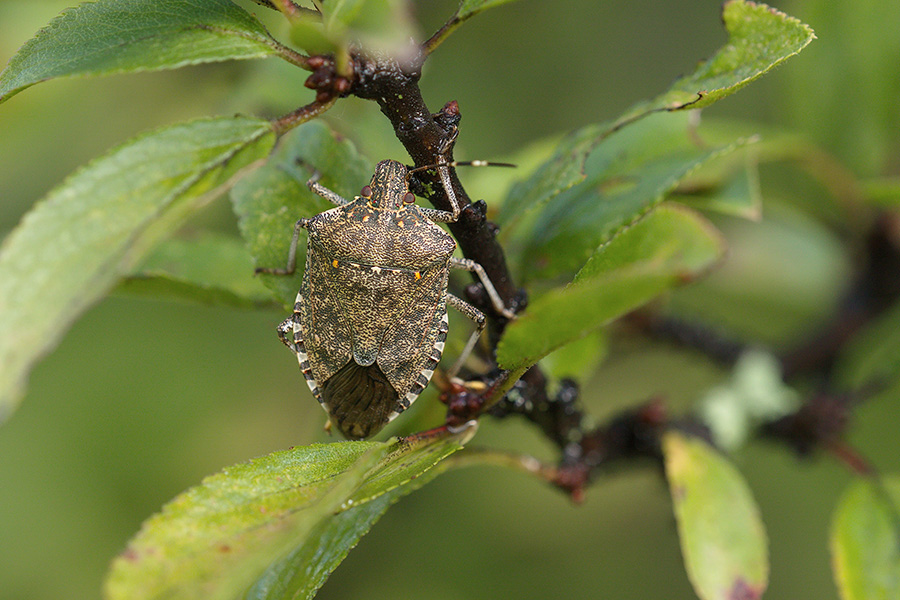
(665, 248)
(723, 540)
(725, 185)
(73, 246)
(849, 63)
(380, 25)
(469, 8)
(758, 39)
(883, 192)
(578, 359)
(270, 200)
(277, 525)
(873, 355)
(865, 540)
(123, 36)
(211, 268)
(628, 173)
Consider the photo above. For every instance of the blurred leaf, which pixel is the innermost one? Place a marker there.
(755, 394)
(758, 296)
(663, 249)
(286, 519)
(729, 189)
(758, 39)
(380, 25)
(122, 36)
(578, 359)
(311, 36)
(723, 540)
(213, 269)
(865, 540)
(884, 192)
(628, 173)
(856, 61)
(73, 246)
(270, 200)
(873, 355)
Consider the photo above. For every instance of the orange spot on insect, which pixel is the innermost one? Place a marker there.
(418, 276)
(334, 263)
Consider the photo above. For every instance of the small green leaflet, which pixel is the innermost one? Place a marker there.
(865, 540)
(723, 540)
(100, 222)
(275, 526)
(122, 36)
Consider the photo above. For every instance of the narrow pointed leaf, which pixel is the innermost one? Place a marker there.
(865, 540)
(668, 246)
(723, 540)
(211, 269)
(759, 38)
(73, 246)
(271, 199)
(121, 36)
(280, 521)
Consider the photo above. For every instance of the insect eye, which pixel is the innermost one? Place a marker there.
(409, 198)
(366, 192)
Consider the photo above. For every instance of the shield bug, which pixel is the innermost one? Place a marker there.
(370, 320)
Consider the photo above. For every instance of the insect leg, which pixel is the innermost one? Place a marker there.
(323, 191)
(480, 322)
(292, 253)
(474, 267)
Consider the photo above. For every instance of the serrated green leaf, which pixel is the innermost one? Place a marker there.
(759, 38)
(627, 174)
(270, 200)
(210, 268)
(122, 36)
(93, 228)
(723, 540)
(865, 540)
(286, 519)
(663, 249)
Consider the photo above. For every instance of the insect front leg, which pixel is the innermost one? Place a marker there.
(292, 253)
(480, 322)
(474, 267)
(319, 189)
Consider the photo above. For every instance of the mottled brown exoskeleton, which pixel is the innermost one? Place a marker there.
(370, 320)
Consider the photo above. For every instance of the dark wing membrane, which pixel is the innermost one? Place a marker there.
(359, 400)
(326, 332)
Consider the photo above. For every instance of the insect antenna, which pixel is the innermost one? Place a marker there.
(443, 170)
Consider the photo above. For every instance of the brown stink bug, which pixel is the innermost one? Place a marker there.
(370, 320)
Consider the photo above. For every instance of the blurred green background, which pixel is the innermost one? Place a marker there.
(143, 398)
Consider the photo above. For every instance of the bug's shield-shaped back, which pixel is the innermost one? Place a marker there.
(371, 335)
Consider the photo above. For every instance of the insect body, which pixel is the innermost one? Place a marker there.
(370, 320)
